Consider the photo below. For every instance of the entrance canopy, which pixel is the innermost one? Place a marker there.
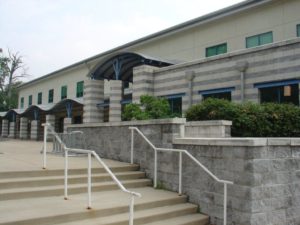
(120, 66)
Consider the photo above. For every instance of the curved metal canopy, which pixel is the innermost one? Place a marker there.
(120, 66)
(45, 108)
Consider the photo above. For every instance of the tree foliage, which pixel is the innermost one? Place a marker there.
(12, 69)
(150, 108)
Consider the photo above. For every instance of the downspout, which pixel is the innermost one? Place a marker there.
(242, 66)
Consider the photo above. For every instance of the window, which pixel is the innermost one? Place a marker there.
(79, 89)
(176, 106)
(220, 93)
(29, 100)
(216, 50)
(22, 103)
(260, 39)
(39, 100)
(50, 96)
(175, 102)
(298, 30)
(279, 92)
(64, 91)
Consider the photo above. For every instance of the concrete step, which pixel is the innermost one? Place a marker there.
(190, 219)
(107, 205)
(72, 179)
(44, 191)
(145, 216)
(60, 172)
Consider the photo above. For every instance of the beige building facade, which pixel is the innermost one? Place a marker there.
(246, 52)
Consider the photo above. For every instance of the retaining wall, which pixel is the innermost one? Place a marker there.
(265, 171)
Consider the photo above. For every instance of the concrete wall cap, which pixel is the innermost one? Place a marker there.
(209, 123)
(133, 123)
(238, 141)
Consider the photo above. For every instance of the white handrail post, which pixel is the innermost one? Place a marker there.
(155, 168)
(89, 181)
(66, 174)
(180, 173)
(225, 204)
(45, 146)
(131, 210)
(132, 143)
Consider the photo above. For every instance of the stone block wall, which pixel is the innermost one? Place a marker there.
(210, 128)
(265, 172)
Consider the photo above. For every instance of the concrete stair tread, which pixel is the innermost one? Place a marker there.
(103, 202)
(61, 187)
(191, 219)
(47, 178)
(141, 216)
(60, 172)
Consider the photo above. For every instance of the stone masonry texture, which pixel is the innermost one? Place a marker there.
(266, 177)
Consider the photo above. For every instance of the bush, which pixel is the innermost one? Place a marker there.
(150, 108)
(250, 119)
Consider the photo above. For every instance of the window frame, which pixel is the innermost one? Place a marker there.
(29, 100)
(64, 92)
(206, 93)
(22, 102)
(50, 100)
(39, 98)
(216, 48)
(79, 89)
(259, 39)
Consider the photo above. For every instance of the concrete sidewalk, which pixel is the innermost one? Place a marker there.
(18, 155)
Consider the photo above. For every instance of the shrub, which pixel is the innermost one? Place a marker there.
(150, 108)
(250, 119)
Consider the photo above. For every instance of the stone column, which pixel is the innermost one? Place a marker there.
(50, 119)
(12, 130)
(242, 67)
(23, 128)
(67, 121)
(93, 94)
(187, 100)
(115, 100)
(34, 130)
(4, 128)
(143, 82)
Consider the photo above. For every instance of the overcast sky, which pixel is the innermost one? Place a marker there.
(52, 34)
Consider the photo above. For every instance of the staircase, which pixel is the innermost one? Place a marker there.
(36, 198)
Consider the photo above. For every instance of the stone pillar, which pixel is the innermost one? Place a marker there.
(50, 119)
(4, 128)
(67, 121)
(34, 130)
(12, 130)
(242, 67)
(187, 100)
(93, 94)
(143, 82)
(23, 128)
(115, 100)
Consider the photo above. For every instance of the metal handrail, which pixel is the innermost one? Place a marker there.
(133, 194)
(180, 151)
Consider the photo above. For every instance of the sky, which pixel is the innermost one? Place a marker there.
(52, 34)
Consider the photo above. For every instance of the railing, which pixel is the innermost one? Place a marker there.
(68, 139)
(90, 153)
(180, 151)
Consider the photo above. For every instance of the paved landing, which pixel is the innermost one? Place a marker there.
(19, 155)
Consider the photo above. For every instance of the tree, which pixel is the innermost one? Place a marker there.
(12, 69)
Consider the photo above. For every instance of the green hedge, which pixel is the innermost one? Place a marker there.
(250, 119)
